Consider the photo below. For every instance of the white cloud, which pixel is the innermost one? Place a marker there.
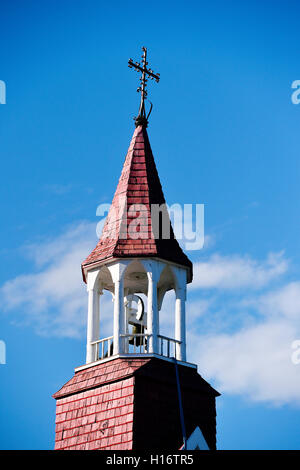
(282, 302)
(243, 337)
(58, 189)
(232, 272)
(254, 362)
(54, 298)
(209, 241)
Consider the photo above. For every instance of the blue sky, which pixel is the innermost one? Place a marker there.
(224, 133)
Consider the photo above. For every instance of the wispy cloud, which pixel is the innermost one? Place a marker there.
(252, 356)
(58, 189)
(232, 272)
(283, 302)
(53, 298)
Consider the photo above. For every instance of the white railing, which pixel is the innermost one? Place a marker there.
(137, 343)
(104, 348)
(168, 347)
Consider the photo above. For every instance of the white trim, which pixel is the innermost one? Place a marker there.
(111, 260)
(133, 356)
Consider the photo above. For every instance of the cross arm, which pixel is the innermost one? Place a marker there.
(143, 70)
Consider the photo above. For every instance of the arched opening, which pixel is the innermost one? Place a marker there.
(135, 278)
(135, 305)
(166, 305)
(106, 288)
(100, 314)
(166, 301)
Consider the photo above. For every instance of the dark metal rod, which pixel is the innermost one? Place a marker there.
(180, 405)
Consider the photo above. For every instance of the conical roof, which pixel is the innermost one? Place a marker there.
(130, 231)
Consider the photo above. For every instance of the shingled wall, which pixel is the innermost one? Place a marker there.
(132, 405)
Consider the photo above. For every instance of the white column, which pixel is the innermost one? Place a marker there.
(92, 324)
(180, 334)
(152, 314)
(117, 271)
(126, 327)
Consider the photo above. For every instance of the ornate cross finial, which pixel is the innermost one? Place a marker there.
(142, 119)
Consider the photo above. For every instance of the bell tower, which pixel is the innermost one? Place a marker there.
(136, 391)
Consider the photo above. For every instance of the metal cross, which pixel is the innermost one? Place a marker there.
(146, 73)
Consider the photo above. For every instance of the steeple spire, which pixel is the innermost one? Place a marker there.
(142, 118)
(139, 189)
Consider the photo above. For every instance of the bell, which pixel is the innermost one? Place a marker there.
(137, 329)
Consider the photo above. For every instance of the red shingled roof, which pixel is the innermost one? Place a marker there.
(99, 375)
(139, 184)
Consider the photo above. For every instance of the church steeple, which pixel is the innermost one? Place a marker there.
(137, 240)
(136, 390)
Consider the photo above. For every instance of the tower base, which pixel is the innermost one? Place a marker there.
(133, 404)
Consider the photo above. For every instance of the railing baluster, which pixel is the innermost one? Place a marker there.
(167, 347)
